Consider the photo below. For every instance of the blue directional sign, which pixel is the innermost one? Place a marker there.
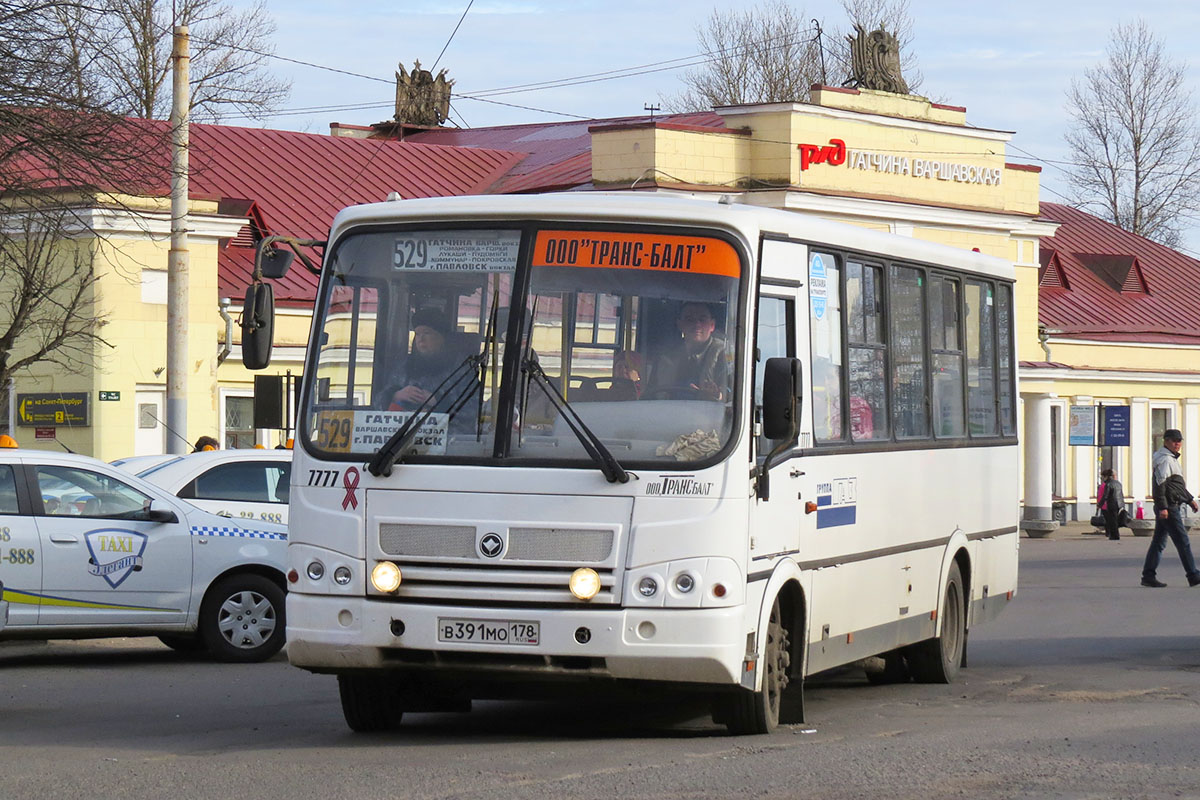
(1116, 426)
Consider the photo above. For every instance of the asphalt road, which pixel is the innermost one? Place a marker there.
(1088, 686)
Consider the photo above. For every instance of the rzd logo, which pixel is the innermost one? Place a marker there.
(116, 553)
(833, 154)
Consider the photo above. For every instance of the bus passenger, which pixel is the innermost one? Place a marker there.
(627, 375)
(697, 365)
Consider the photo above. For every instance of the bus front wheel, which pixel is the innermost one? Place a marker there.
(747, 712)
(370, 703)
(937, 660)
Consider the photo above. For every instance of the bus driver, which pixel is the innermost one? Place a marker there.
(698, 363)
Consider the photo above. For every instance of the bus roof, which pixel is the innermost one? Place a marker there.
(724, 211)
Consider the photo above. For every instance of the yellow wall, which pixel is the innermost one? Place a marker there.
(135, 332)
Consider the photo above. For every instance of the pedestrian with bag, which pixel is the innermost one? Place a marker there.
(1170, 495)
(1112, 503)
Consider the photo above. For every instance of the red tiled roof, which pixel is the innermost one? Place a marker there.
(299, 181)
(551, 143)
(1098, 260)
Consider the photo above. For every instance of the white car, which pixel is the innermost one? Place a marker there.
(242, 484)
(88, 550)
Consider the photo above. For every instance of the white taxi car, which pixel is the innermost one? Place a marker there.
(88, 550)
(243, 484)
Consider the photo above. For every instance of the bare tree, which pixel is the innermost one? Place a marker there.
(229, 50)
(57, 140)
(772, 53)
(1135, 147)
(764, 54)
(47, 281)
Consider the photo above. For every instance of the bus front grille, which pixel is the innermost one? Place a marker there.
(561, 545)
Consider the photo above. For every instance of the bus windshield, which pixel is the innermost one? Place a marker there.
(628, 333)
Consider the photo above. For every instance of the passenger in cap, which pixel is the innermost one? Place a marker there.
(428, 364)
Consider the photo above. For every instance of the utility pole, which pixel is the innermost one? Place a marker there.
(177, 259)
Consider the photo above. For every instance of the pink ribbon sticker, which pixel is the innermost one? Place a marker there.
(350, 481)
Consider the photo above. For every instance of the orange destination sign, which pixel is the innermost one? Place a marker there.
(699, 255)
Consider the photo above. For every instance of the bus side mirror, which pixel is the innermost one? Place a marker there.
(782, 386)
(274, 262)
(258, 326)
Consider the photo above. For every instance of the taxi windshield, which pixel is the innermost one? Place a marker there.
(631, 332)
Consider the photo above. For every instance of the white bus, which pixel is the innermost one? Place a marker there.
(730, 447)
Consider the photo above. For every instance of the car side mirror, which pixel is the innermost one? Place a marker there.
(258, 325)
(782, 387)
(152, 512)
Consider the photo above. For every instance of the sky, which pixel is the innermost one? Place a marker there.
(1010, 64)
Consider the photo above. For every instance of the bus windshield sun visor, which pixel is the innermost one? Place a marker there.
(613, 471)
(393, 450)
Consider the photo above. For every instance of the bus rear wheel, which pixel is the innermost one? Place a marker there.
(748, 712)
(370, 703)
(937, 660)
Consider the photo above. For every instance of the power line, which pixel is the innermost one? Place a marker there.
(451, 39)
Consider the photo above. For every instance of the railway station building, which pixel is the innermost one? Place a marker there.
(1104, 318)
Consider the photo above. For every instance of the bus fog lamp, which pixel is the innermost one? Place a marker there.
(684, 583)
(341, 576)
(315, 570)
(584, 583)
(647, 587)
(386, 577)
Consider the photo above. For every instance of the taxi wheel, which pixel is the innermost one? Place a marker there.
(242, 618)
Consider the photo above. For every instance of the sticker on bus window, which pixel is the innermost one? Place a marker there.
(817, 288)
(372, 429)
(696, 255)
(366, 431)
(456, 251)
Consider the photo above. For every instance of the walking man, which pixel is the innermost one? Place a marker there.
(1170, 494)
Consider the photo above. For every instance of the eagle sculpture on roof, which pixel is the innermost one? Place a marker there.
(875, 61)
(422, 99)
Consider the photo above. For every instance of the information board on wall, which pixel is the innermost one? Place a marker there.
(1083, 426)
(1115, 431)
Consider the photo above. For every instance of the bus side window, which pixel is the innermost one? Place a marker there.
(909, 408)
(944, 318)
(864, 337)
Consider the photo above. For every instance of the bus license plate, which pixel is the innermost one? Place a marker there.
(488, 631)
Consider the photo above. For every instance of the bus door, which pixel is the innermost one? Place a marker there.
(776, 521)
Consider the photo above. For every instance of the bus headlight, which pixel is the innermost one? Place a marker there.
(341, 576)
(315, 570)
(386, 577)
(584, 583)
(685, 582)
(647, 587)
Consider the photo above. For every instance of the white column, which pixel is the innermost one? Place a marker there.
(1191, 442)
(1087, 469)
(1038, 518)
(1138, 485)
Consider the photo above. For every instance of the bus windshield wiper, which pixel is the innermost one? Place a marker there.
(613, 471)
(393, 450)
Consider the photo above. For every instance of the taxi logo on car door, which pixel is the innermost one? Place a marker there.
(116, 553)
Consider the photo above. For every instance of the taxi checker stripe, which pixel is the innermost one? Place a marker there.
(243, 533)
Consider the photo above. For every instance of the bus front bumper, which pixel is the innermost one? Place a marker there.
(334, 634)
